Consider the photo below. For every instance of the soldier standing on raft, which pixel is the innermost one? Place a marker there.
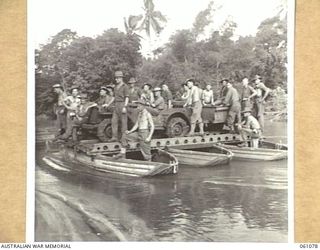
(60, 109)
(121, 100)
(259, 102)
(246, 94)
(194, 101)
(232, 99)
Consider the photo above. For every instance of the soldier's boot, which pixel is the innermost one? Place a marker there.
(201, 128)
(192, 128)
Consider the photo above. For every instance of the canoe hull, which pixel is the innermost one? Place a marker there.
(267, 151)
(72, 161)
(208, 157)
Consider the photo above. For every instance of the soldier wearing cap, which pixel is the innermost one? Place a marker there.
(60, 109)
(158, 104)
(249, 127)
(194, 102)
(167, 96)
(232, 99)
(259, 101)
(81, 116)
(141, 132)
(246, 94)
(134, 92)
(121, 100)
(147, 94)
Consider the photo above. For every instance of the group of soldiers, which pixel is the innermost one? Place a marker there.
(248, 101)
(72, 110)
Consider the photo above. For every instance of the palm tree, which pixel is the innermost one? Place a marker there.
(131, 24)
(152, 19)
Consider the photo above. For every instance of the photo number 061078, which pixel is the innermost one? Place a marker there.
(160, 120)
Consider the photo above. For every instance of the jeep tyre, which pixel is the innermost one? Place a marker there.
(177, 127)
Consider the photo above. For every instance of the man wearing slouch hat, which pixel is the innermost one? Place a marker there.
(121, 100)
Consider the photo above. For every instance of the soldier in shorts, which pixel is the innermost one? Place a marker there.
(232, 99)
(141, 132)
(121, 100)
(194, 101)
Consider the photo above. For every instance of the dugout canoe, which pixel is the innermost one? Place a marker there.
(70, 160)
(210, 156)
(267, 151)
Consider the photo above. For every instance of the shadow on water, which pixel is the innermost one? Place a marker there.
(243, 201)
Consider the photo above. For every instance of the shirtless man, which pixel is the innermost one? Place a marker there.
(147, 94)
(246, 94)
(207, 96)
(141, 132)
(259, 102)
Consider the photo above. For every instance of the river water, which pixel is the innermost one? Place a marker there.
(239, 202)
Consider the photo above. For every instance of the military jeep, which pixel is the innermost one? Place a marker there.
(175, 122)
(172, 122)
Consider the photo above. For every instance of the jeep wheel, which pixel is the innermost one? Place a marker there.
(176, 127)
(108, 131)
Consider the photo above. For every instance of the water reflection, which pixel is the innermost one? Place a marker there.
(243, 201)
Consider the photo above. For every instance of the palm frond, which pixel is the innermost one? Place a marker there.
(133, 21)
(155, 25)
(126, 25)
(160, 16)
(147, 27)
(149, 5)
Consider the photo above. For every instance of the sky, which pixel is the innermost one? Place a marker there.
(92, 17)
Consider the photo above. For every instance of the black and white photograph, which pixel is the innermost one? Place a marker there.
(161, 121)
